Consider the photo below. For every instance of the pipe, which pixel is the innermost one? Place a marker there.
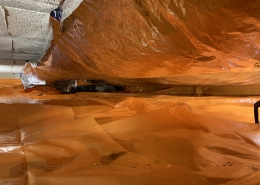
(11, 68)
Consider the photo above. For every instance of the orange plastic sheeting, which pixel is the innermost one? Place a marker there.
(232, 108)
(156, 42)
(99, 138)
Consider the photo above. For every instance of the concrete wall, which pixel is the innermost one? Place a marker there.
(23, 32)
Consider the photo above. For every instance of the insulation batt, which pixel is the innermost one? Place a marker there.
(157, 42)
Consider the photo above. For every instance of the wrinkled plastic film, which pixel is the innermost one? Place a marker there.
(107, 139)
(157, 42)
(137, 138)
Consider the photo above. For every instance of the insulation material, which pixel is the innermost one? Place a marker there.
(17, 18)
(33, 5)
(6, 44)
(24, 29)
(99, 138)
(3, 28)
(140, 42)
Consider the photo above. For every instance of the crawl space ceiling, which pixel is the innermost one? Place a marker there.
(23, 32)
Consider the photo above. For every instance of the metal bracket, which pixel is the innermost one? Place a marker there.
(256, 106)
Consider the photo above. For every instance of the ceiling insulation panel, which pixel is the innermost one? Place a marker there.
(27, 23)
(3, 28)
(28, 45)
(5, 44)
(24, 29)
(13, 55)
(34, 5)
(69, 7)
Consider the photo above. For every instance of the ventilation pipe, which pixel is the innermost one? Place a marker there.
(11, 66)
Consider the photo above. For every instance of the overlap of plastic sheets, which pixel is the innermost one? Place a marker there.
(97, 138)
(156, 42)
(89, 138)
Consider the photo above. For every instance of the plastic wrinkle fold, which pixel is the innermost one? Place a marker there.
(156, 43)
(153, 47)
(113, 139)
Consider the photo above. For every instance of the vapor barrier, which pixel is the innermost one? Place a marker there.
(137, 138)
(100, 138)
(151, 42)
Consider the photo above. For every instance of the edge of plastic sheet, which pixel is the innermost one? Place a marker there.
(28, 78)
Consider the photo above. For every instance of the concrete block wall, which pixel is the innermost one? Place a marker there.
(23, 32)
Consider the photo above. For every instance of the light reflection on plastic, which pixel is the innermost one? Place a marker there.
(7, 149)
